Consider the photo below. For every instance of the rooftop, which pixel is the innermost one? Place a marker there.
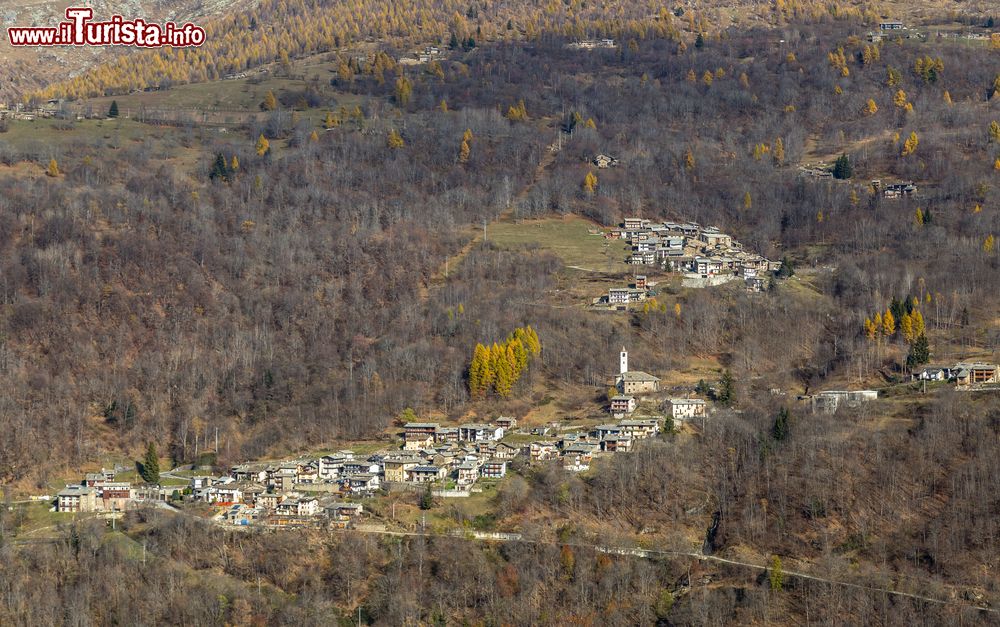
(638, 375)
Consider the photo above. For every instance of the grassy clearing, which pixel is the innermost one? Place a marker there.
(104, 133)
(568, 237)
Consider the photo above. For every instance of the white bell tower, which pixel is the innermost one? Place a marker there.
(624, 361)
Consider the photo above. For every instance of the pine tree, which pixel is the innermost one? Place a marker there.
(263, 146)
(463, 152)
(871, 108)
(150, 467)
(727, 394)
(427, 499)
(314, 137)
(330, 121)
(747, 201)
(235, 164)
(910, 145)
(219, 169)
(590, 183)
(53, 169)
(113, 111)
(842, 168)
(779, 431)
(920, 352)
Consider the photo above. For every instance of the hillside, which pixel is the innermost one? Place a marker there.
(28, 70)
(301, 260)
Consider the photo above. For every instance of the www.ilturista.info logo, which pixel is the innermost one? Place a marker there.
(79, 30)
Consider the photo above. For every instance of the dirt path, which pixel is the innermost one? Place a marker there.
(813, 154)
(657, 553)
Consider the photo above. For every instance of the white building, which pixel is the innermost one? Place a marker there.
(831, 400)
(686, 408)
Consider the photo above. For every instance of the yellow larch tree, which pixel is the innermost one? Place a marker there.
(263, 146)
(394, 140)
(888, 323)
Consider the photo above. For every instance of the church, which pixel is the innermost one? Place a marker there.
(634, 381)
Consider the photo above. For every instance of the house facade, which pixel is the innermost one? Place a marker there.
(418, 435)
(494, 469)
(969, 374)
(622, 405)
(686, 408)
(76, 498)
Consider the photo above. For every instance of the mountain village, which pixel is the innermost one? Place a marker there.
(442, 461)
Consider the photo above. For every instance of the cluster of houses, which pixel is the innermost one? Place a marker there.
(421, 56)
(22, 112)
(453, 459)
(577, 449)
(966, 375)
(98, 492)
(698, 251)
(894, 190)
(631, 383)
(591, 44)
